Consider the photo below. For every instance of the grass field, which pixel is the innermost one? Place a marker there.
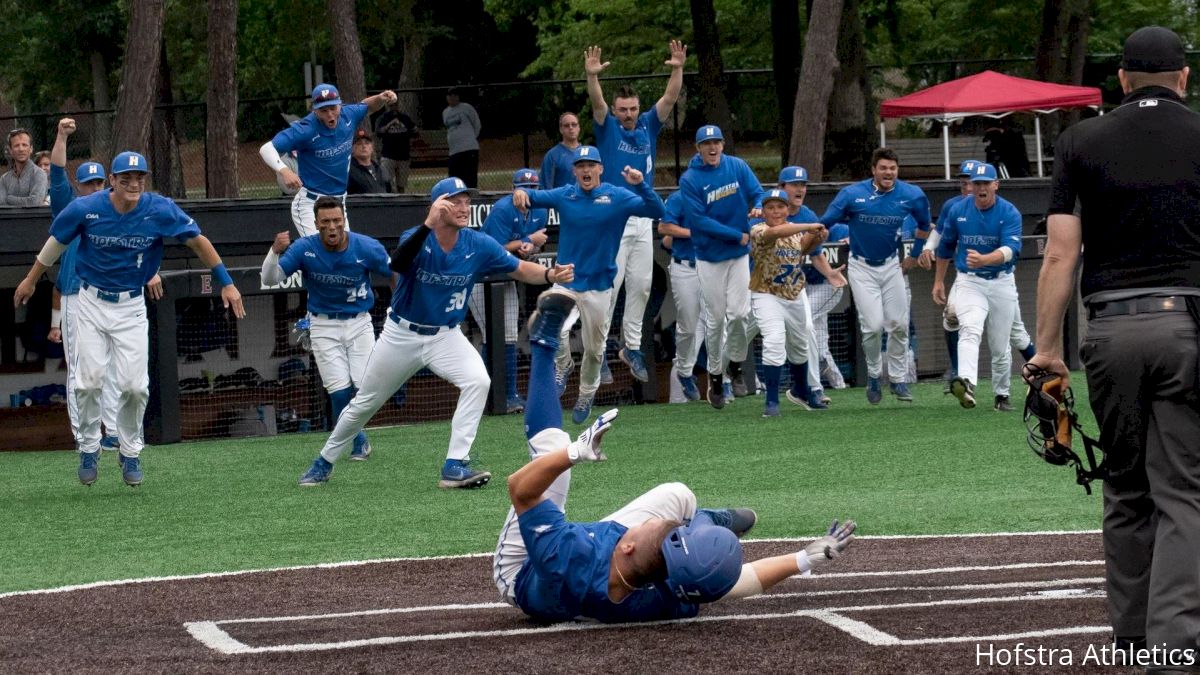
(930, 467)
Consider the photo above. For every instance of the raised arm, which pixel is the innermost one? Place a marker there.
(379, 100)
(272, 273)
(592, 67)
(529, 483)
(58, 152)
(674, 83)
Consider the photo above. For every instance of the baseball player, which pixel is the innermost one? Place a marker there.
(629, 138)
(592, 214)
(658, 557)
(118, 254)
(337, 267)
(824, 285)
(322, 140)
(718, 193)
(875, 210)
(685, 290)
(437, 264)
(556, 165)
(777, 250)
(521, 234)
(982, 235)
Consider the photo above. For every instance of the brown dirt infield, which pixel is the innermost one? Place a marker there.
(902, 605)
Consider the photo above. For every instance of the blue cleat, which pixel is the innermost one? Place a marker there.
(817, 402)
(457, 473)
(110, 443)
(691, 390)
(900, 389)
(131, 470)
(636, 362)
(318, 473)
(605, 372)
(772, 410)
(560, 379)
(87, 467)
(546, 321)
(874, 393)
(360, 454)
(515, 404)
(727, 391)
(583, 408)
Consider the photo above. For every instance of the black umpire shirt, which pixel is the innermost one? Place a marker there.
(1136, 173)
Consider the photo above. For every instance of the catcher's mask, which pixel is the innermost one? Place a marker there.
(1050, 418)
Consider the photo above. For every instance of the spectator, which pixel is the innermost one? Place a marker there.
(462, 137)
(395, 129)
(42, 160)
(557, 170)
(20, 186)
(366, 175)
(1006, 151)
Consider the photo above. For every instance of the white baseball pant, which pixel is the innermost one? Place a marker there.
(822, 298)
(810, 339)
(111, 335)
(341, 348)
(670, 501)
(108, 395)
(985, 302)
(725, 292)
(784, 328)
(512, 310)
(685, 289)
(879, 299)
(1019, 337)
(591, 310)
(303, 216)
(398, 354)
(635, 269)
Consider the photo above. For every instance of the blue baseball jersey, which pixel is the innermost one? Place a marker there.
(337, 281)
(982, 231)
(946, 208)
(876, 219)
(716, 204)
(506, 224)
(591, 225)
(435, 289)
(557, 170)
(121, 252)
(681, 247)
(62, 194)
(565, 576)
(836, 234)
(322, 154)
(620, 148)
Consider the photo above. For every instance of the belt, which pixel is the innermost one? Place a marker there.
(339, 316)
(112, 296)
(420, 329)
(1151, 305)
(873, 262)
(986, 275)
(309, 194)
(682, 261)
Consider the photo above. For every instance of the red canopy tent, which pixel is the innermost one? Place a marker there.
(990, 94)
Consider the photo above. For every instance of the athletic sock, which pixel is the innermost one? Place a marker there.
(771, 376)
(799, 372)
(1028, 352)
(542, 409)
(952, 349)
(510, 370)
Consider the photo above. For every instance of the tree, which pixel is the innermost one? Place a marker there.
(850, 137)
(135, 100)
(712, 67)
(785, 62)
(816, 84)
(220, 161)
(347, 54)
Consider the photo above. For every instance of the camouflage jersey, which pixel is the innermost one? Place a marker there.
(778, 265)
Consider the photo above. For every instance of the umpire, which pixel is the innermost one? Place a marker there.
(1134, 174)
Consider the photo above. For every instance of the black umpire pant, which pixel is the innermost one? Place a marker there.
(1142, 380)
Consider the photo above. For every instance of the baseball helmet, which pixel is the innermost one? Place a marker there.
(525, 178)
(703, 562)
(325, 95)
(89, 171)
(586, 153)
(709, 132)
(793, 174)
(449, 187)
(129, 161)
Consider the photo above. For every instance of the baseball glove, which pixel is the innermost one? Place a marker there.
(1050, 420)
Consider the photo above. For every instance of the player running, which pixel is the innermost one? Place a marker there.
(659, 557)
(437, 264)
(685, 290)
(337, 267)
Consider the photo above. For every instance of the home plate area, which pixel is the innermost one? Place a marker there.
(1002, 603)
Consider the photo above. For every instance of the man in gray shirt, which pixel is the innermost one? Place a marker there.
(462, 137)
(24, 184)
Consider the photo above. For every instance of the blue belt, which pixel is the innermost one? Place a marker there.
(873, 262)
(340, 316)
(112, 296)
(417, 328)
(986, 275)
(682, 261)
(309, 194)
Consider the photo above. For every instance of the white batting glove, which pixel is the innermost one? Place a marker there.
(827, 548)
(586, 448)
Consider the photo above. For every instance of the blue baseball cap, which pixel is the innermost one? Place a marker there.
(776, 194)
(983, 173)
(967, 168)
(129, 161)
(586, 153)
(449, 187)
(793, 174)
(839, 231)
(709, 132)
(703, 562)
(89, 171)
(525, 178)
(325, 95)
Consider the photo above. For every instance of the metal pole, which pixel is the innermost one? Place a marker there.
(946, 146)
(1037, 131)
(882, 134)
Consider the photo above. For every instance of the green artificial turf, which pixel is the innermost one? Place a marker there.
(927, 467)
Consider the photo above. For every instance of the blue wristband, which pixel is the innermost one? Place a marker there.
(222, 275)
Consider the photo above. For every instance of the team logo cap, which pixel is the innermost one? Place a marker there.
(449, 187)
(967, 168)
(793, 174)
(983, 173)
(325, 95)
(586, 153)
(129, 161)
(709, 132)
(89, 171)
(525, 178)
(775, 194)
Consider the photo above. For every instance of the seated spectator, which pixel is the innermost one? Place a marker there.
(366, 176)
(42, 160)
(395, 130)
(23, 184)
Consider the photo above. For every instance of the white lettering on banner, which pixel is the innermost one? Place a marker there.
(479, 213)
(833, 255)
(294, 281)
(552, 217)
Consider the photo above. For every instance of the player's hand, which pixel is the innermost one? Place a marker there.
(678, 54)
(832, 545)
(1051, 363)
(926, 259)
(440, 211)
(562, 274)
(907, 263)
(521, 200)
(586, 448)
(154, 288)
(539, 238)
(24, 291)
(820, 234)
(632, 175)
(55, 335)
(282, 241)
(290, 179)
(836, 278)
(974, 259)
(389, 97)
(233, 300)
(745, 238)
(939, 293)
(591, 61)
(755, 212)
(66, 127)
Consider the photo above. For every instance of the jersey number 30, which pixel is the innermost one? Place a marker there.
(457, 301)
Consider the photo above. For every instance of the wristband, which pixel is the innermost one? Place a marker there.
(547, 275)
(55, 318)
(222, 275)
(803, 563)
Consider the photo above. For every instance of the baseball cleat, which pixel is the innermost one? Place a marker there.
(87, 467)
(131, 470)
(727, 389)
(583, 408)
(874, 393)
(515, 404)
(900, 389)
(734, 371)
(636, 362)
(605, 372)
(1002, 404)
(110, 443)
(817, 402)
(691, 391)
(964, 391)
(716, 391)
(361, 453)
(560, 378)
(771, 410)
(456, 473)
(318, 473)
(819, 395)
(794, 398)
(546, 321)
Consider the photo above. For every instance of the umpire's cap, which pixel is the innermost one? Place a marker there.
(525, 178)
(449, 187)
(967, 168)
(89, 171)
(325, 95)
(703, 562)
(1153, 49)
(129, 161)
